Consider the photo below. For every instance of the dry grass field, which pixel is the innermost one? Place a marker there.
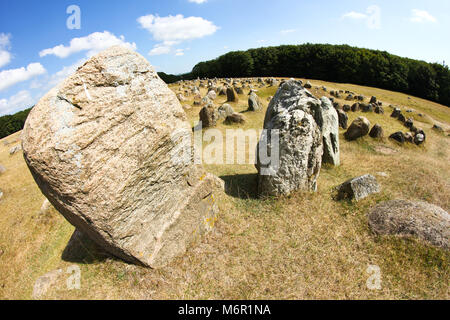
(306, 246)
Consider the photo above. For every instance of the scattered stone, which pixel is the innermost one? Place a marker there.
(208, 116)
(308, 85)
(438, 128)
(225, 110)
(359, 128)
(419, 139)
(419, 219)
(401, 117)
(373, 100)
(398, 136)
(367, 107)
(254, 103)
(15, 149)
(409, 123)
(355, 107)
(343, 119)
(46, 205)
(379, 110)
(235, 118)
(232, 95)
(358, 188)
(346, 108)
(396, 113)
(376, 132)
(107, 157)
(212, 95)
(300, 143)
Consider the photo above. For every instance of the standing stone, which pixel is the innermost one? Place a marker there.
(212, 95)
(104, 147)
(208, 116)
(343, 119)
(254, 103)
(300, 143)
(232, 95)
(225, 110)
(359, 128)
(328, 121)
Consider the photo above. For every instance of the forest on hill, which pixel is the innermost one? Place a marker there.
(10, 124)
(334, 63)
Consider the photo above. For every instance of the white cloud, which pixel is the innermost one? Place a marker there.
(13, 76)
(372, 17)
(179, 52)
(17, 102)
(172, 30)
(287, 31)
(5, 55)
(93, 43)
(420, 16)
(198, 1)
(160, 49)
(261, 41)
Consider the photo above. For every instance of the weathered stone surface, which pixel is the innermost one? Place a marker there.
(358, 188)
(300, 143)
(103, 148)
(208, 116)
(419, 138)
(412, 218)
(359, 128)
(396, 113)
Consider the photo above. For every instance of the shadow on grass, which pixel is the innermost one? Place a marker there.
(81, 249)
(242, 186)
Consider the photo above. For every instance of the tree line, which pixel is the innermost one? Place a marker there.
(334, 63)
(12, 123)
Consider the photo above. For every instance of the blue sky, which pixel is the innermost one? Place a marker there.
(37, 49)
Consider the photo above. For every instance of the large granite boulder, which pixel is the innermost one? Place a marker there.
(299, 140)
(104, 147)
(412, 218)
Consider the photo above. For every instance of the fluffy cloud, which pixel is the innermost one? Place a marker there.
(93, 43)
(172, 30)
(5, 55)
(160, 49)
(198, 1)
(19, 101)
(420, 16)
(13, 76)
(372, 17)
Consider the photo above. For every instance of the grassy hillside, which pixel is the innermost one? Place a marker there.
(306, 246)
